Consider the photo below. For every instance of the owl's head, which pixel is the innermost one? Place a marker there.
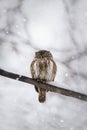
(43, 54)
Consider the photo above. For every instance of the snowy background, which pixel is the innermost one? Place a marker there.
(30, 25)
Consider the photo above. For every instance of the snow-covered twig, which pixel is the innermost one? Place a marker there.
(48, 87)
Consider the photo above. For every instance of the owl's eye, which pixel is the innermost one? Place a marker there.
(45, 55)
(37, 55)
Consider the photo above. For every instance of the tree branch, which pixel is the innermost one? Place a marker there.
(48, 87)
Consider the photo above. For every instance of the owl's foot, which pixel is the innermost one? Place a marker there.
(38, 80)
(41, 80)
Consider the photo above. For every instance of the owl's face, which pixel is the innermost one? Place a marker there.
(43, 54)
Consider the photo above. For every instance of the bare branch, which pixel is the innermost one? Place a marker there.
(48, 87)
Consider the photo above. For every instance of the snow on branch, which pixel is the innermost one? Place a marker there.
(48, 87)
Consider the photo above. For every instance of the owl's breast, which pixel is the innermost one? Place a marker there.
(43, 69)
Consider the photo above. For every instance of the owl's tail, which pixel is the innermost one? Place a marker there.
(42, 95)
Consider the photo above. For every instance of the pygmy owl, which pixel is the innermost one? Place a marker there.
(43, 68)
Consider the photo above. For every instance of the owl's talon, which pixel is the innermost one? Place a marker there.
(43, 81)
(38, 80)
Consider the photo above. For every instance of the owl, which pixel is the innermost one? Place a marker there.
(43, 68)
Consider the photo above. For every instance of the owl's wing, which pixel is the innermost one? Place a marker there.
(32, 68)
(33, 72)
(54, 69)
